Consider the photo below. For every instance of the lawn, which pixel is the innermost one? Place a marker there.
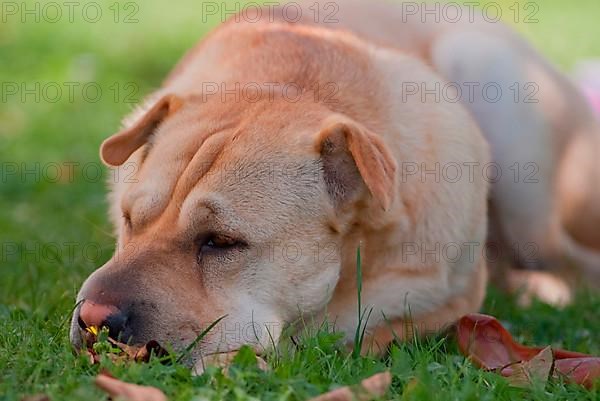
(54, 230)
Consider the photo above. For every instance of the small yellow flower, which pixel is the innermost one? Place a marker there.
(92, 329)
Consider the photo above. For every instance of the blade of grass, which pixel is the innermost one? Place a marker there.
(361, 326)
(190, 347)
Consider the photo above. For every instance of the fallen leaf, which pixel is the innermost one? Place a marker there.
(143, 353)
(369, 389)
(489, 345)
(117, 351)
(127, 391)
(579, 370)
(535, 370)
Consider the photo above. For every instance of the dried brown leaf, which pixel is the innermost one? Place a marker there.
(127, 391)
(127, 352)
(536, 370)
(369, 389)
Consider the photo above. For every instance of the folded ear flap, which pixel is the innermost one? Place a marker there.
(116, 150)
(351, 154)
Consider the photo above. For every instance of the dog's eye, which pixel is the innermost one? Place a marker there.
(218, 242)
(127, 220)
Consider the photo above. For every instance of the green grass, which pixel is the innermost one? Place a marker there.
(53, 233)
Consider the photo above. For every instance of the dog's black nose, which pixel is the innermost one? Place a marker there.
(96, 315)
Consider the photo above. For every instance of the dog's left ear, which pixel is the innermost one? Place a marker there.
(351, 154)
(116, 150)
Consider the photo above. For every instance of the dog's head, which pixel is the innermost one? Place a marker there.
(229, 210)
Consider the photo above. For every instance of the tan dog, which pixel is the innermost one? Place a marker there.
(275, 150)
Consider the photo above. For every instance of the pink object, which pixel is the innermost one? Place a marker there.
(587, 76)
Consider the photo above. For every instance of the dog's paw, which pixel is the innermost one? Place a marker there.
(546, 287)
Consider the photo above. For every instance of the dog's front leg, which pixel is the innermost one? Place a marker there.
(379, 338)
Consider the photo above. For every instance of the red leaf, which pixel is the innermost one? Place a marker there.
(579, 370)
(489, 345)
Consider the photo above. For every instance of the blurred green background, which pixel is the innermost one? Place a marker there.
(54, 231)
(126, 54)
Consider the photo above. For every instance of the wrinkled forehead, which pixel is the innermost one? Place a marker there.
(153, 174)
(259, 183)
(246, 169)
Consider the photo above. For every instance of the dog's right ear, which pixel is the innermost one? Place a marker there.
(116, 150)
(353, 156)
